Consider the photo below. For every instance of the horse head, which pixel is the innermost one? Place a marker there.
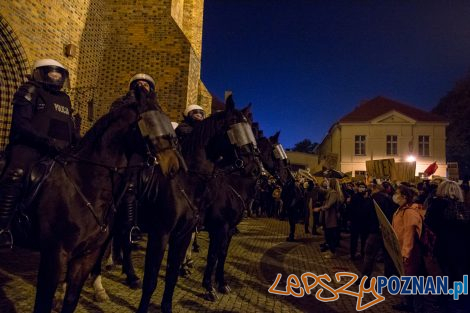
(274, 158)
(234, 147)
(158, 134)
(226, 142)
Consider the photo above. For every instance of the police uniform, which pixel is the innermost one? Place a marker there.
(129, 200)
(186, 126)
(42, 124)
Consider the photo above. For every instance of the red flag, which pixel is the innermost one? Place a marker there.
(431, 169)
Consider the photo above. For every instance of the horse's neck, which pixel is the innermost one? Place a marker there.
(198, 162)
(242, 184)
(285, 174)
(105, 150)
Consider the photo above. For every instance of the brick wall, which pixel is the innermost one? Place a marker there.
(115, 39)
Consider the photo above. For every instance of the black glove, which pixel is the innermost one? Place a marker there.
(54, 147)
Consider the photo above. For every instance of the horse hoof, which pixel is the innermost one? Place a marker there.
(56, 305)
(185, 272)
(134, 283)
(211, 296)
(166, 308)
(101, 296)
(225, 289)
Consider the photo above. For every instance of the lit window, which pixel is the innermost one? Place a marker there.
(423, 143)
(360, 145)
(392, 145)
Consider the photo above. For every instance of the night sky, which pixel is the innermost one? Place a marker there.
(305, 63)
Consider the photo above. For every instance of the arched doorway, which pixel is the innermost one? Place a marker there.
(13, 70)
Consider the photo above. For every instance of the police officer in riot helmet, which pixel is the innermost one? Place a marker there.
(141, 80)
(128, 208)
(42, 125)
(192, 115)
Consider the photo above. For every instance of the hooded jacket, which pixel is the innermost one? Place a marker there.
(407, 224)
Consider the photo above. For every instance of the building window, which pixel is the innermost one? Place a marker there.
(360, 145)
(392, 145)
(359, 173)
(423, 142)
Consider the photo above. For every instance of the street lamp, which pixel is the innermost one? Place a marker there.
(411, 158)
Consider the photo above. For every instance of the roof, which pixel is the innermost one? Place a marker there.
(378, 106)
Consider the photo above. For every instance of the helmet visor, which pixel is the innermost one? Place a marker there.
(51, 75)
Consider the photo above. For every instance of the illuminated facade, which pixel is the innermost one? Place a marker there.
(383, 129)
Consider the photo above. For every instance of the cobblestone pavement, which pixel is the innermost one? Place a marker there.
(257, 254)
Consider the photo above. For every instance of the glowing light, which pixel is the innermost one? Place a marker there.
(411, 158)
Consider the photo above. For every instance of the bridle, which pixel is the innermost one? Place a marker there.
(147, 129)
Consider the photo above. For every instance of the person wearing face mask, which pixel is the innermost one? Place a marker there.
(127, 212)
(42, 125)
(192, 115)
(407, 224)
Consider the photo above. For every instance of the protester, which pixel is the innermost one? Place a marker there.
(334, 199)
(448, 218)
(407, 224)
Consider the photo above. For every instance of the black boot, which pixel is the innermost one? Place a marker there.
(10, 192)
(131, 210)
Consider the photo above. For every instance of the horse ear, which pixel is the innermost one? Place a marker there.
(247, 110)
(229, 104)
(275, 138)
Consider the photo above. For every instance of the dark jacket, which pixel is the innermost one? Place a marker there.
(42, 118)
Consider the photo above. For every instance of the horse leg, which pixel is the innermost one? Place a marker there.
(176, 254)
(223, 287)
(116, 250)
(196, 246)
(79, 270)
(52, 266)
(156, 246)
(100, 293)
(215, 241)
(109, 256)
(132, 280)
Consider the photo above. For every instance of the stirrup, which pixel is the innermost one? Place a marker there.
(136, 230)
(6, 233)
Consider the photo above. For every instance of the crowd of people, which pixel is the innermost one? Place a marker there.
(431, 220)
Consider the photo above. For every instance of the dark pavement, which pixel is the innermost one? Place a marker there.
(255, 258)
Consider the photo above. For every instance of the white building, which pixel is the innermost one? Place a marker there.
(383, 129)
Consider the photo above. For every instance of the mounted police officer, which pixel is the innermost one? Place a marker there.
(129, 200)
(41, 125)
(192, 115)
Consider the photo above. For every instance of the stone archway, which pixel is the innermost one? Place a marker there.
(13, 71)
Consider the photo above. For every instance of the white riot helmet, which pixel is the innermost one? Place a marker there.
(50, 73)
(142, 76)
(195, 108)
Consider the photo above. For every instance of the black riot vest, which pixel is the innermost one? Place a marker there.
(53, 116)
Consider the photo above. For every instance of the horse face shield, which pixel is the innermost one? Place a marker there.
(279, 152)
(155, 125)
(241, 135)
(156, 128)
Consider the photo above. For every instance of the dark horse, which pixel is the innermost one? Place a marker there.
(213, 151)
(75, 205)
(276, 162)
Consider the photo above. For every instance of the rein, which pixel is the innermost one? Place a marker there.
(112, 170)
(150, 161)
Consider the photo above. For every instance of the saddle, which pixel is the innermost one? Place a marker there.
(22, 225)
(39, 172)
